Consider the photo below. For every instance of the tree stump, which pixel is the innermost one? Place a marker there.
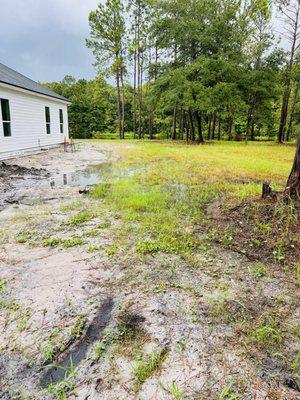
(266, 190)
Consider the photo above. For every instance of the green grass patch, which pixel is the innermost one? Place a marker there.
(147, 365)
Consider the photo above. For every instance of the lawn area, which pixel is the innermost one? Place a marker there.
(170, 279)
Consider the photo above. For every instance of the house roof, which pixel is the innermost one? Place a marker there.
(13, 78)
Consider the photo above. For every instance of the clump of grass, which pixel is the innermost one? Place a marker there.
(55, 241)
(268, 334)
(175, 391)
(111, 250)
(228, 393)
(24, 236)
(81, 218)
(147, 365)
(72, 242)
(101, 190)
(51, 242)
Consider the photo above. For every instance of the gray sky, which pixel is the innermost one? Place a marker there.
(45, 39)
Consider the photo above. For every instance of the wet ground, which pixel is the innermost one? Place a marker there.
(83, 317)
(43, 176)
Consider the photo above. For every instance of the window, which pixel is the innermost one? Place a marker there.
(61, 121)
(6, 117)
(47, 115)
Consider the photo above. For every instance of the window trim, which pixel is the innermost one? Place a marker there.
(61, 120)
(48, 120)
(6, 122)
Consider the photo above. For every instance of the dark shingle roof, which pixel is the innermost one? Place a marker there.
(11, 77)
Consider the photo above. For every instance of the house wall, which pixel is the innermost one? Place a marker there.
(28, 123)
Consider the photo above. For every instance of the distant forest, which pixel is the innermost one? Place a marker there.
(191, 70)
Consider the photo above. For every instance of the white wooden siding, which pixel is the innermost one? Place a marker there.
(28, 122)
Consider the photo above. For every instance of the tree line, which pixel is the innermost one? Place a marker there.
(191, 70)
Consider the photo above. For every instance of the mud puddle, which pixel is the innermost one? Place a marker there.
(89, 176)
(79, 352)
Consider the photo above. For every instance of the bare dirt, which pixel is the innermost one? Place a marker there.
(76, 310)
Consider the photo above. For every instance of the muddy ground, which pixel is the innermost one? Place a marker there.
(68, 297)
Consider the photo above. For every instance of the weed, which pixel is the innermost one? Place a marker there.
(297, 269)
(147, 365)
(101, 190)
(51, 242)
(296, 363)
(111, 250)
(175, 391)
(81, 218)
(268, 334)
(94, 247)
(260, 271)
(228, 393)
(3, 284)
(24, 236)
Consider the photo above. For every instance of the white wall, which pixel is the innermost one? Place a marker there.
(28, 123)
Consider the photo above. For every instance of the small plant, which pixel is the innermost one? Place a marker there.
(297, 268)
(72, 242)
(228, 393)
(278, 254)
(175, 391)
(261, 271)
(81, 218)
(111, 250)
(147, 247)
(101, 190)
(296, 363)
(148, 364)
(24, 236)
(51, 242)
(268, 334)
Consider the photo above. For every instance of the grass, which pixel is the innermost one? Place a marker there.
(147, 365)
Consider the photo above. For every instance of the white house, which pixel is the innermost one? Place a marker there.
(31, 117)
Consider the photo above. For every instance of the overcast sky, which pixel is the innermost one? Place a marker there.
(45, 39)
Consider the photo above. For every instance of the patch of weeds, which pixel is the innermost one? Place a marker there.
(111, 250)
(101, 190)
(22, 319)
(63, 388)
(259, 270)
(104, 225)
(147, 247)
(81, 218)
(55, 241)
(175, 391)
(263, 227)
(296, 363)
(3, 285)
(51, 242)
(228, 393)
(279, 253)
(74, 332)
(24, 236)
(147, 365)
(92, 233)
(9, 305)
(268, 334)
(94, 247)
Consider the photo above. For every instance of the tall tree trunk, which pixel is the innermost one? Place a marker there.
(293, 184)
(192, 129)
(209, 128)
(119, 103)
(219, 128)
(213, 127)
(230, 124)
(181, 124)
(174, 123)
(134, 78)
(292, 113)
(252, 131)
(198, 119)
(122, 106)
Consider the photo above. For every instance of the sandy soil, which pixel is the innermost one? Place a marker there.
(60, 303)
(28, 179)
